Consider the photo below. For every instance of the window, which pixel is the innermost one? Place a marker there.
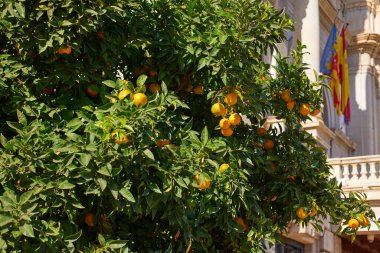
(289, 246)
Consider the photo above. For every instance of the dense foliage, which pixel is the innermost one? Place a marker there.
(108, 139)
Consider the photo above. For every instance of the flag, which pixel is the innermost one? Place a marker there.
(330, 66)
(345, 105)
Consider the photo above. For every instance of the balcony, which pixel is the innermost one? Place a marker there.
(357, 173)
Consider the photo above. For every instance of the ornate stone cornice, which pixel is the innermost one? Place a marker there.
(370, 4)
(366, 43)
(327, 12)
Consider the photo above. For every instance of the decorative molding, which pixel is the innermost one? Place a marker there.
(365, 43)
(370, 4)
(345, 139)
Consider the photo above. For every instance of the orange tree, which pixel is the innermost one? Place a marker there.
(122, 130)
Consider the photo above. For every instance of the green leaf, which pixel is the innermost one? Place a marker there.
(204, 136)
(3, 140)
(154, 187)
(102, 183)
(149, 154)
(20, 9)
(117, 244)
(27, 230)
(201, 63)
(25, 197)
(16, 126)
(73, 237)
(127, 194)
(141, 80)
(21, 117)
(101, 240)
(66, 23)
(66, 185)
(110, 83)
(85, 159)
(164, 88)
(74, 124)
(5, 219)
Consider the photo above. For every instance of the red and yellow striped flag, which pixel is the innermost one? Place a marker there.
(344, 78)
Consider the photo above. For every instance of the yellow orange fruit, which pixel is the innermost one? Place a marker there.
(140, 99)
(122, 138)
(290, 105)
(285, 95)
(218, 109)
(231, 98)
(274, 198)
(234, 119)
(353, 223)
(66, 50)
(202, 185)
(224, 123)
(261, 130)
(112, 100)
(364, 222)
(304, 109)
(89, 219)
(315, 112)
(241, 222)
(123, 93)
(301, 213)
(198, 90)
(162, 143)
(268, 144)
(313, 212)
(223, 167)
(227, 132)
(154, 87)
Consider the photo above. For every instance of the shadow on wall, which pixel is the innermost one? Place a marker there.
(299, 14)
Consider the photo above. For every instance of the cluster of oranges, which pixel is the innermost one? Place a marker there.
(354, 223)
(139, 98)
(219, 110)
(302, 214)
(304, 109)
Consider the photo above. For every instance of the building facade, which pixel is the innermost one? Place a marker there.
(354, 149)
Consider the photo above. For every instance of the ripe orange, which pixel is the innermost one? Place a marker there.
(198, 90)
(223, 167)
(218, 109)
(274, 198)
(231, 98)
(224, 123)
(313, 212)
(162, 143)
(66, 50)
(48, 90)
(285, 95)
(99, 35)
(315, 112)
(304, 109)
(122, 138)
(268, 144)
(301, 213)
(353, 223)
(364, 222)
(292, 178)
(274, 166)
(92, 91)
(154, 87)
(202, 185)
(140, 99)
(241, 222)
(89, 219)
(123, 93)
(227, 132)
(152, 73)
(290, 105)
(234, 119)
(261, 130)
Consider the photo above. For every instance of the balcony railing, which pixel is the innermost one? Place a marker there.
(358, 171)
